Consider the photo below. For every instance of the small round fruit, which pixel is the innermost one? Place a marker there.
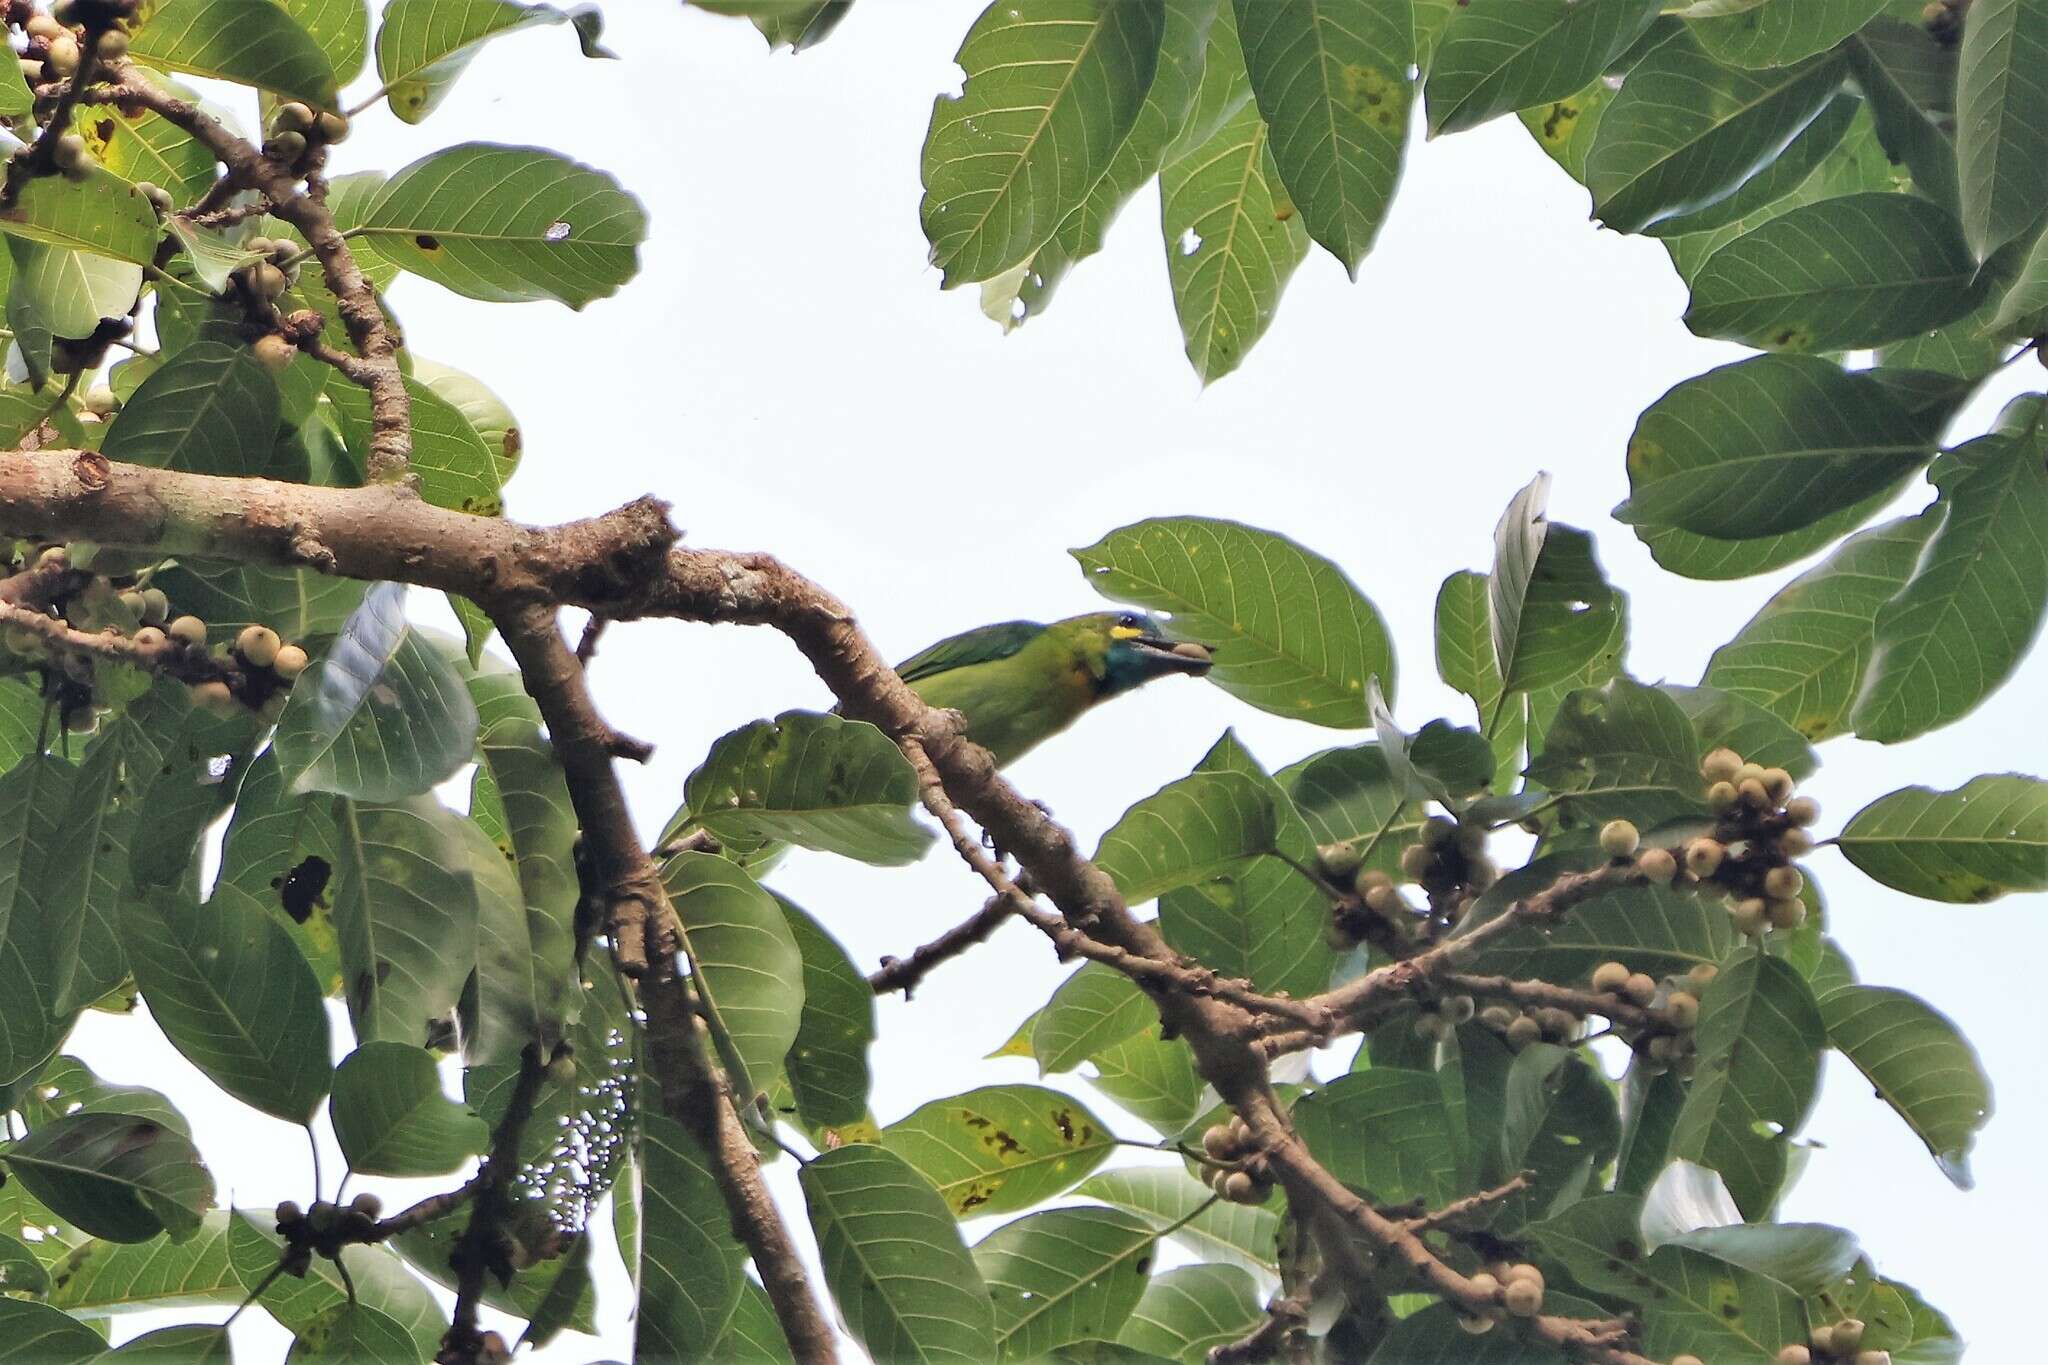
(1722, 796)
(1610, 977)
(1753, 793)
(1385, 901)
(64, 55)
(1682, 1008)
(1216, 1143)
(1619, 839)
(1795, 1355)
(1558, 1025)
(1432, 1028)
(1721, 765)
(1663, 1049)
(1779, 784)
(1497, 1017)
(112, 46)
(1658, 866)
(1702, 975)
(292, 117)
(285, 148)
(53, 559)
(1459, 1009)
(331, 127)
(266, 281)
(1338, 862)
(1795, 843)
(1416, 861)
(1687, 1360)
(1486, 1285)
(1802, 810)
(289, 663)
(367, 1204)
(1438, 832)
(43, 26)
(289, 1212)
(100, 401)
(1475, 1323)
(31, 71)
(80, 719)
(189, 631)
(1748, 914)
(1641, 988)
(156, 607)
(1523, 1298)
(1338, 939)
(69, 153)
(321, 1215)
(272, 351)
(1747, 771)
(1703, 857)
(1872, 1358)
(1785, 914)
(159, 198)
(1849, 1336)
(214, 697)
(1473, 838)
(1524, 1271)
(258, 644)
(1524, 1031)
(1240, 1188)
(1783, 883)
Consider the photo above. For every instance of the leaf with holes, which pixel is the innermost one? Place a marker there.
(424, 47)
(1983, 840)
(248, 42)
(1064, 1275)
(116, 1176)
(391, 1118)
(1001, 1148)
(382, 714)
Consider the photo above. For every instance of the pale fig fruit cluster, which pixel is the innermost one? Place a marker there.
(1240, 1173)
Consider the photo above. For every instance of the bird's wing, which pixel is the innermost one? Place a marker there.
(985, 644)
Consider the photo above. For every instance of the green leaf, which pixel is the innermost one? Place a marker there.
(1777, 181)
(37, 1334)
(753, 1335)
(1064, 1275)
(1204, 825)
(1962, 623)
(341, 30)
(66, 293)
(1349, 796)
(405, 912)
(101, 1278)
(893, 1259)
(33, 797)
(689, 1265)
(1623, 751)
(1918, 1062)
(2002, 121)
(354, 1332)
(1292, 635)
(828, 1064)
(1804, 656)
(1179, 1206)
(1687, 131)
(1909, 78)
(1331, 80)
(376, 1279)
(1550, 607)
(456, 467)
(1187, 1311)
(1465, 661)
(115, 1176)
(1095, 1008)
(249, 42)
(381, 715)
(1497, 56)
(744, 961)
(1001, 1148)
(68, 1086)
(391, 1118)
(2023, 308)
(1232, 240)
(1053, 88)
(283, 850)
(1722, 719)
(143, 145)
(208, 409)
(231, 991)
(838, 786)
(1981, 841)
(1651, 929)
(1385, 1130)
(508, 224)
(21, 1272)
(1565, 128)
(1760, 1035)
(1842, 274)
(1150, 1078)
(1780, 31)
(423, 47)
(1769, 444)
(487, 414)
(188, 1344)
(296, 603)
(102, 215)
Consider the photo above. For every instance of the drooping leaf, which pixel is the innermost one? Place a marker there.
(100, 215)
(423, 47)
(1918, 1062)
(232, 992)
(1497, 56)
(1095, 1008)
(1776, 32)
(381, 715)
(1909, 78)
(688, 1268)
(1689, 1205)
(248, 42)
(894, 1261)
(1981, 841)
(1767, 445)
(1202, 826)
(839, 786)
(391, 1117)
(744, 960)
(1550, 606)
(1232, 238)
(1330, 78)
(2002, 121)
(508, 224)
(1292, 635)
(1053, 87)
(1064, 1275)
(33, 796)
(1000, 1148)
(115, 1176)
(827, 1066)
(1842, 274)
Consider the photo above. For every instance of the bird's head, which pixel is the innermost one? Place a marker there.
(1126, 649)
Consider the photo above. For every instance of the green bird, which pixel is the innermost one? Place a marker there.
(1022, 682)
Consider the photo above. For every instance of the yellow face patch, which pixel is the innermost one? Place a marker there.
(1125, 632)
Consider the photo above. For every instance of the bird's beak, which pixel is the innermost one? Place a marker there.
(1180, 656)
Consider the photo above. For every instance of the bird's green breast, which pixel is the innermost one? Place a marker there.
(1013, 704)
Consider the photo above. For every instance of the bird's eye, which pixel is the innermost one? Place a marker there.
(1128, 621)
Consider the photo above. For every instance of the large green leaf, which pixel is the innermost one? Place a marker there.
(1232, 240)
(249, 42)
(1186, 1311)
(840, 786)
(209, 409)
(1686, 131)
(1651, 929)
(1981, 841)
(1766, 445)
(753, 1335)
(1760, 1035)
(1292, 635)
(98, 1278)
(1842, 274)
(1623, 751)
(1181, 1207)
(1331, 80)
(1804, 655)
(1150, 1078)
(68, 1086)
(1778, 180)
(688, 1268)
(1203, 826)
(1724, 720)
(1909, 78)
(905, 1284)
(116, 1176)
(2002, 120)
(1001, 1148)
(340, 28)
(828, 1064)
(1497, 56)
(508, 224)
(37, 1334)
(423, 47)
(353, 1332)
(744, 961)
(1053, 87)
(283, 850)
(456, 467)
(1974, 605)
(382, 714)
(1465, 661)
(391, 1117)
(296, 603)
(33, 797)
(1779, 31)
(1064, 1275)
(405, 914)
(2023, 307)
(1385, 1130)
(1095, 1008)
(376, 1279)
(1550, 608)
(101, 214)
(232, 992)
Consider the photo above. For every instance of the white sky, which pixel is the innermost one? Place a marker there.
(788, 373)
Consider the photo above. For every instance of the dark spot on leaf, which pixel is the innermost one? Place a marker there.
(427, 242)
(302, 888)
